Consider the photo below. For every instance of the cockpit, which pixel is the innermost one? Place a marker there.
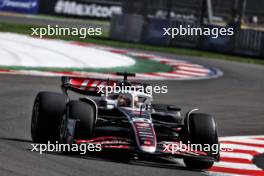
(131, 100)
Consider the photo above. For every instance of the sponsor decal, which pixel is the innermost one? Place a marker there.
(23, 6)
(143, 125)
(86, 9)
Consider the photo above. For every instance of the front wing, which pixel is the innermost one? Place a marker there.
(164, 148)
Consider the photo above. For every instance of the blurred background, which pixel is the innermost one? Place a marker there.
(142, 21)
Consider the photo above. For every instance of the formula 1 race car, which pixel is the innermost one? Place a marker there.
(126, 120)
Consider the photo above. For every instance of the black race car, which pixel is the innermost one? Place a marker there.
(123, 121)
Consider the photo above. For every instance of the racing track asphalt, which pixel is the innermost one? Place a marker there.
(236, 100)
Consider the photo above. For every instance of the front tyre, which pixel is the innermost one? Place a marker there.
(201, 129)
(193, 163)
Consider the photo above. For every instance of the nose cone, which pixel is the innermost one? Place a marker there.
(145, 136)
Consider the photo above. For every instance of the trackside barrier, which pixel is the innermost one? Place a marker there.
(81, 8)
(262, 48)
(189, 41)
(20, 6)
(249, 42)
(118, 27)
(134, 28)
(153, 32)
(223, 43)
(126, 27)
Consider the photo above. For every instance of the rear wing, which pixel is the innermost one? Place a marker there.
(85, 86)
(93, 86)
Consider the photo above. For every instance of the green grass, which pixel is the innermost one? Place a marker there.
(103, 40)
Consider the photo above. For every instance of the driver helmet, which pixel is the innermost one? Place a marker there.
(124, 101)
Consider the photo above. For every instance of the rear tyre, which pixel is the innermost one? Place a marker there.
(84, 115)
(201, 129)
(46, 116)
